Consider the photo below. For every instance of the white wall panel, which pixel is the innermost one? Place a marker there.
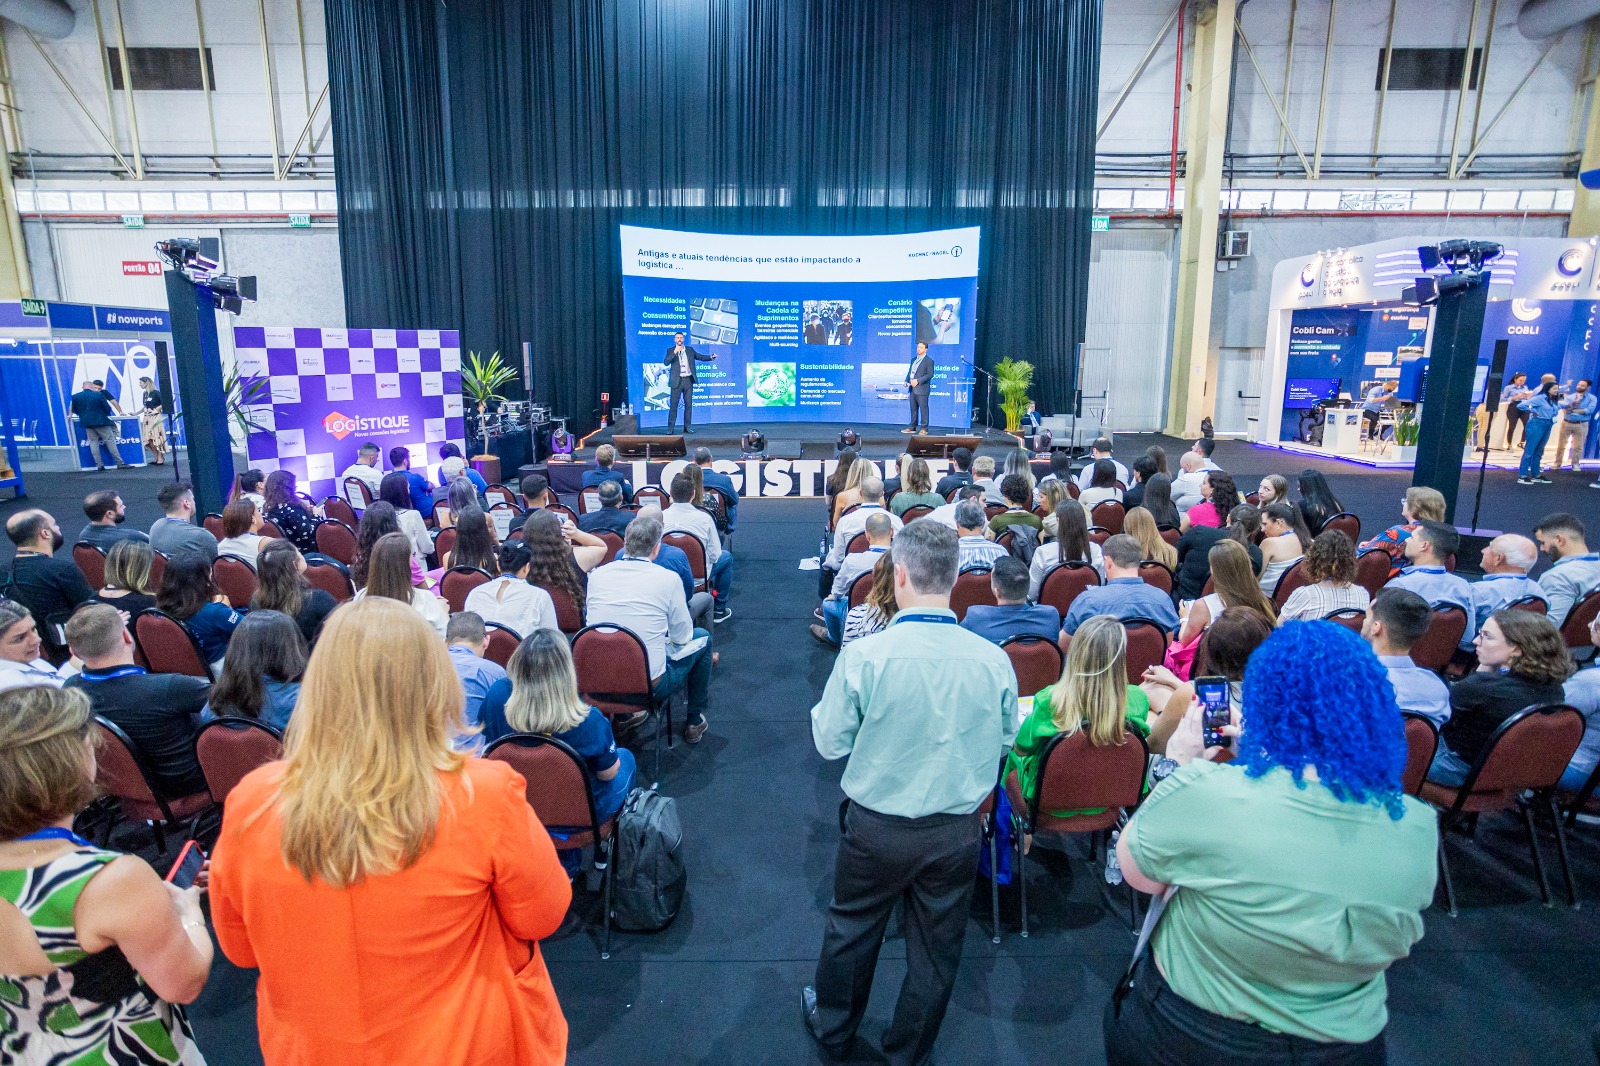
(90, 260)
(1129, 335)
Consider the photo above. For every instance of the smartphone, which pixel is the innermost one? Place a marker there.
(187, 868)
(1212, 692)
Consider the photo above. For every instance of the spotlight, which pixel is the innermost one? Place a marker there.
(188, 253)
(1464, 260)
(229, 293)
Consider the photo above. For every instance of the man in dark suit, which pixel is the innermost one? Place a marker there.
(920, 379)
(681, 376)
(611, 518)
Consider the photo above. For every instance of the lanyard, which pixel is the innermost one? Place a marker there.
(55, 832)
(918, 616)
(121, 671)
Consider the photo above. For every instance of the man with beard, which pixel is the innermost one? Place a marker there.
(49, 587)
(106, 513)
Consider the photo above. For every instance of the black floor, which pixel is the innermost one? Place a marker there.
(1509, 981)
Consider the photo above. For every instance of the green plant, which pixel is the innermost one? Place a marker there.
(1406, 429)
(239, 394)
(1013, 377)
(481, 378)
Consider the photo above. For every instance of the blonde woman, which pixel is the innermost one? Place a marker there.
(1142, 525)
(374, 850)
(1052, 493)
(1234, 581)
(1092, 695)
(850, 495)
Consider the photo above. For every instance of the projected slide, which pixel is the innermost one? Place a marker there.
(803, 329)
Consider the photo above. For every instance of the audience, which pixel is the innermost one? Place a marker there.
(465, 639)
(1396, 620)
(916, 489)
(1053, 492)
(1141, 525)
(189, 595)
(261, 676)
(1017, 462)
(1421, 504)
(106, 513)
(1069, 543)
(376, 522)
(1219, 497)
(395, 491)
(475, 542)
(509, 600)
(20, 661)
(674, 558)
(604, 470)
(365, 470)
(1274, 488)
(848, 494)
(878, 611)
(402, 861)
(556, 564)
(1582, 691)
(1235, 586)
(1060, 469)
(961, 458)
(281, 585)
(388, 576)
(175, 533)
(1102, 487)
(127, 586)
(1204, 447)
(286, 510)
(1186, 486)
(976, 551)
(448, 451)
(683, 517)
(1100, 451)
(715, 479)
(241, 531)
(1159, 454)
(1284, 543)
(1019, 504)
(1156, 498)
(1230, 641)
(1427, 549)
(610, 518)
(452, 471)
(1574, 569)
(416, 484)
(1317, 501)
(536, 496)
(1012, 615)
(1144, 468)
(845, 530)
(1194, 546)
(1505, 564)
(50, 588)
(879, 533)
(1331, 571)
(247, 485)
(945, 513)
(1125, 595)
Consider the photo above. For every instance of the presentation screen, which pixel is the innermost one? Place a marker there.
(801, 329)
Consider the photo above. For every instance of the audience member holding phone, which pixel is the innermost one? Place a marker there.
(1230, 642)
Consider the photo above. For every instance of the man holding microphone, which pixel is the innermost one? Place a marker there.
(681, 376)
(919, 379)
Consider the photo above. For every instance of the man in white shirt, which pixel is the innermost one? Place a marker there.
(1574, 571)
(1505, 565)
(856, 521)
(364, 469)
(945, 514)
(1396, 621)
(684, 517)
(879, 531)
(646, 599)
(1101, 449)
(1203, 448)
(1186, 486)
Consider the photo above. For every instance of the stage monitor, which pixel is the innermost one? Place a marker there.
(1299, 394)
(650, 447)
(800, 329)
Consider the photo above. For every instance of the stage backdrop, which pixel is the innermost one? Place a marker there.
(332, 390)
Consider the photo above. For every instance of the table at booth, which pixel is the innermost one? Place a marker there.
(130, 442)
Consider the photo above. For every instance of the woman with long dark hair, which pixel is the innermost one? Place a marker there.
(1219, 497)
(1159, 454)
(286, 510)
(188, 594)
(389, 578)
(247, 486)
(474, 539)
(1194, 547)
(377, 521)
(1542, 412)
(1102, 487)
(1283, 544)
(1068, 533)
(1157, 499)
(395, 490)
(1317, 501)
(281, 585)
(550, 563)
(261, 676)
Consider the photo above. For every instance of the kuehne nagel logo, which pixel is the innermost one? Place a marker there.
(340, 426)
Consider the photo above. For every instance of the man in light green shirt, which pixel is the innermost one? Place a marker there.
(923, 710)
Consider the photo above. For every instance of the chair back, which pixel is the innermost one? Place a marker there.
(1099, 534)
(1530, 750)
(1345, 523)
(1531, 604)
(859, 588)
(121, 770)
(589, 500)
(691, 546)
(1036, 662)
(213, 524)
(568, 617)
(444, 542)
(1170, 534)
(1575, 628)
(858, 543)
(1253, 499)
(1147, 647)
(1157, 574)
(1063, 582)
(1445, 630)
(330, 576)
(168, 645)
(501, 642)
(339, 510)
(268, 529)
(232, 746)
(1352, 618)
(356, 489)
(613, 546)
(236, 578)
(911, 514)
(1072, 489)
(613, 669)
(648, 494)
(1372, 570)
(440, 512)
(501, 494)
(1291, 579)
(1108, 516)
(1074, 775)
(561, 510)
(92, 561)
(458, 581)
(1422, 741)
(972, 588)
(993, 509)
(158, 568)
(558, 783)
(337, 541)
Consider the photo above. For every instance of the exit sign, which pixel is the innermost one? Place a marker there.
(1099, 223)
(33, 308)
(133, 221)
(299, 221)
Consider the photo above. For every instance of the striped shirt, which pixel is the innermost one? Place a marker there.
(1322, 599)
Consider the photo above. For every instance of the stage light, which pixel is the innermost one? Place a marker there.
(229, 293)
(185, 253)
(1464, 260)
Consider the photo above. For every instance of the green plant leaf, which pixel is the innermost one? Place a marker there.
(1013, 378)
(481, 378)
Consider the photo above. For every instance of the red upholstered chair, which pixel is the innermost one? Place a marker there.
(1531, 604)
(158, 567)
(268, 529)
(440, 513)
(568, 617)
(1157, 574)
(613, 671)
(859, 589)
(561, 510)
(356, 489)
(1170, 534)
(1062, 584)
(1099, 534)
(337, 509)
(1372, 570)
(858, 543)
(972, 588)
(213, 524)
(1422, 741)
(1108, 516)
(588, 500)
(444, 542)
(1527, 753)
(560, 794)
(1147, 647)
(501, 494)
(1445, 630)
(1345, 523)
(458, 581)
(236, 578)
(992, 509)
(691, 546)
(1352, 618)
(123, 773)
(648, 494)
(337, 541)
(913, 513)
(1072, 489)
(92, 561)
(168, 645)
(613, 546)
(331, 576)
(1037, 662)
(232, 746)
(500, 642)
(1575, 627)
(1253, 499)
(1293, 578)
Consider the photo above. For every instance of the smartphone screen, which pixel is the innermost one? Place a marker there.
(1212, 692)
(187, 868)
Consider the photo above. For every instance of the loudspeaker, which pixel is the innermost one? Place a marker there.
(646, 447)
(941, 447)
(1497, 373)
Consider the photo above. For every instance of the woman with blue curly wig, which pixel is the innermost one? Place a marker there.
(1297, 872)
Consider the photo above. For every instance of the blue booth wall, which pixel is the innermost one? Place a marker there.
(40, 377)
(1333, 343)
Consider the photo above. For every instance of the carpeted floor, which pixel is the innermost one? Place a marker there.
(1507, 981)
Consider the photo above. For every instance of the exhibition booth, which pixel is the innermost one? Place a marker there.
(1337, 326)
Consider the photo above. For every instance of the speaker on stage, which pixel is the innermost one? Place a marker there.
(650, 447)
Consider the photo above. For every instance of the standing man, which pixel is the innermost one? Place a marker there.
(923, 711)
(152, 422)
(919, 378)
(94, 410)
(681, 376)
(1577, 411)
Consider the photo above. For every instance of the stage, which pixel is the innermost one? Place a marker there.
(796, 440)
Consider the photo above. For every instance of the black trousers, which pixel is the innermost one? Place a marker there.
(919, 408)
(1515, 417)
(1371, 419)
(927, 864)
(1158, 1027)
(685, 389)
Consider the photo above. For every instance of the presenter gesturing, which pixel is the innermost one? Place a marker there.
(680, 360)
(920, 379)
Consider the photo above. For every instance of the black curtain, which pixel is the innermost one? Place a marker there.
(488, 150)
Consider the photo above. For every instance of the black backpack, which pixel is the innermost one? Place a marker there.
(648, 877)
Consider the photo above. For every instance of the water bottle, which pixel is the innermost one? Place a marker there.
(1113, 866)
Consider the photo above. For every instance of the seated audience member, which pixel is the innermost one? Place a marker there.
(1100, 451)
(1522, 661)
(605, 456)
(1069, 542)
(536, 496)
(416, 484)
(1017, 462)
(449, 450)
(389, 578)
(1574, 569)
(1054, 493)
(683, 517)
(1220, 497)
(407, 858)
(175, 533)
(20, 662)
(1092, 695)
(62, 893)
(1331, 569)
(1186, 487)
(241, 531)
(1330, 843)
(281, 585)
(509, 599)
(916, 490)
(1013, 616)
(395, 490)
(1230, 641)
(49, 587)
(1102, 487)
(127, 585)
(1204, 447)
(1125, 595)
(474, 541)
(1159, 454)
(983, 475)
(961, 459)
(892, 482)
(189, 595)
(847, 492)
(945, 513)
(465, 639)
(286, 510)
(977, 551)
(672, 557)
(610, 518)
(1274, 488)
(261, 676)
(1141, 526)
(846, 528)
(1060, 468)
(1505, 564)
(709, 503)
(1144, 468)
(1156, 498)
(378, 521)
(1421, 504)
(715, 479)
(1317, 501)
(106, 513)
(1396, 620)
(1019, 506)
(637, 595)
(879, 533)
(1235, 587)
(159, 712)
(247, 485)
(1582, 691)
(365, 470)
(1428, 548)
(553, 564)
(456, 496)
(875, 614)
(1283, 544)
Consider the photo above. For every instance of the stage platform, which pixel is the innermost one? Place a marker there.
(796, 440)
(1499, 458)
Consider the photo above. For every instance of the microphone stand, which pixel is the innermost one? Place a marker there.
(988, 393)
(1483, 463)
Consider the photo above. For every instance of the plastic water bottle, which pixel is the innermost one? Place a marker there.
(1113, 866)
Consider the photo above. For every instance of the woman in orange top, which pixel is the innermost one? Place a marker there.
(390, 890)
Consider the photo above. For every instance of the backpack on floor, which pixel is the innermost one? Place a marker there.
(648, 878)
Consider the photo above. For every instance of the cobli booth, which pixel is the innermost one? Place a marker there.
(1337, 328)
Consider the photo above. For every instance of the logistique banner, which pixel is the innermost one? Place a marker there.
(802, 329)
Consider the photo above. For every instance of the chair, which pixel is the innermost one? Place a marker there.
(92, 561)
(331, 576)
(858, 543)
(613, 546)
(270, 529)
(1063, 582)
(236, 578)
(561, 510)
(213, 524)
(1075, 775)
(169, 646)
(339, 510)
(589, 500)
(569, 619)
(1422, 742)
(1291, 579)
(337, 541)
(859, 588)
(1575, 627)
(993, 509)
(1099, 534)
(1445, 630)
(1345, 523)
(440, 513)
(1527, 753)
(1037, 662)
(1253, 499)
(501, 494)
(458, 581)
(500, 643)
(972, 588)
(691, 546)
(1147, 646)
(561, 797)
(1531, 604)
(1108, 516)
(911, 514)
(444, 542)
(232, 746)
(1170, 534)
(1157, 574)
(158, 568)
(648, 494)
(123, 773)
(1352, 618)
(1372, 570)
(613, 671)
(356, 489)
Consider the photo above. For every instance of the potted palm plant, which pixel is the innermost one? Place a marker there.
(1406, 429)
(1013, 377)
(481, 380)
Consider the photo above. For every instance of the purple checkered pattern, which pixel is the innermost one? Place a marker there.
(333, 390)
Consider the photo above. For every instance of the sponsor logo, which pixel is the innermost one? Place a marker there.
(1526, 310)
(955, 251)
(340, 426)
(1571, 262)
(122, 318)
(1308, 273)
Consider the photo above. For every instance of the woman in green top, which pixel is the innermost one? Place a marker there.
(916, 489)
(94, 948)
(1093, 694)
(1299, 871)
